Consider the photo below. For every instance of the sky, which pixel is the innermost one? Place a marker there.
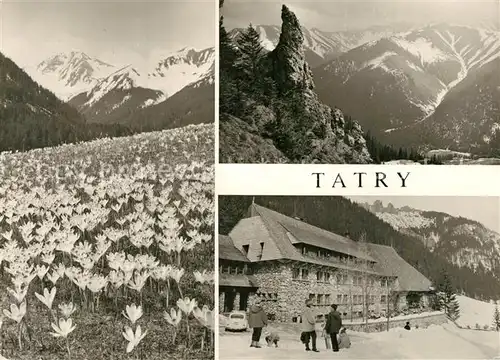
(485, 210)
(117, 32)
(338, 15)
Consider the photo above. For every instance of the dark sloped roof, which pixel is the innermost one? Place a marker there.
(227, 250)
(312, 235)
(409, 278)
(277, 233)
(239, 280)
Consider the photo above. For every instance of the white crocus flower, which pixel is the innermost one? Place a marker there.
(18, 293)
(174, 318)
(63, 328)
(48, 297)
(16, 313)
(133, 314)
(205, 316)
(133, 338)
(67, 309)
(186, 305)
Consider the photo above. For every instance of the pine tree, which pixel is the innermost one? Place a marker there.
(448, 300)
(227, 52)
(250, 50)
(496, 318)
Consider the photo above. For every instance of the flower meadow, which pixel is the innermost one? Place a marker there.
(107, 248)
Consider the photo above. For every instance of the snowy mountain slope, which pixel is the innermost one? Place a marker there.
(181, 69)
(463, 242)
(67, 75)
(321, 46)
(105, 92)
(403, 79)
(33, 117)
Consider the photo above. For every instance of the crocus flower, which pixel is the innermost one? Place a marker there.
(64, 328)
(16, 313)
(174, 318)
(186, 305)
(133, 314)
(133, 338)
(67, 309)
(48, 297)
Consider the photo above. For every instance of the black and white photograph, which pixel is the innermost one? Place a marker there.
(367, 277)
(360, 82)
(107, 206)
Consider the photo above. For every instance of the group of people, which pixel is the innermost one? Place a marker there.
(335, 335)
(333, 332)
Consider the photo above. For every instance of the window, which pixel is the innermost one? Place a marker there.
(383, 282)
(295, 273)
(345, 299)
(261, 250)
(327, 277)
(312, 297)
(305, 274)
(246, 248)
(319, 276)
(236, 270)
(327, 299)
(383, 299)
(321, 299)
(339, 299)
(342, 279)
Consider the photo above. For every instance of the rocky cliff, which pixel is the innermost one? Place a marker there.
(283, 107)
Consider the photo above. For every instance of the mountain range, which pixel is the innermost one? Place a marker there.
(464, 242)
(32, 116)
(430, 87)
(101, 98)
(105, 93)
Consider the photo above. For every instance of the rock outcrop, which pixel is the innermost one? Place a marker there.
(291, 115)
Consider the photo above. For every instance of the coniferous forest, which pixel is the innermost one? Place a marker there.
(340, 215)
(32, 117)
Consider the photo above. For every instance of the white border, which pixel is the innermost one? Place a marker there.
(423, 180)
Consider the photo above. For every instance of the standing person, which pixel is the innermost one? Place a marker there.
(333, 325)
(407, 326)
(309, 326)
(257, 319)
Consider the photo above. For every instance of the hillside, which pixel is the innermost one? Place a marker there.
(463, 242)
(339, 215)
(274, 93)
(194, 104)
(434, 87)
(34, 117)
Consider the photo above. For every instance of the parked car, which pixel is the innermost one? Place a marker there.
(237, 321)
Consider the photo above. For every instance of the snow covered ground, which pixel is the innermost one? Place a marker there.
(474, 312)
(435, 342)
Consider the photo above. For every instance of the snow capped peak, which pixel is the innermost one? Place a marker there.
(68, 74)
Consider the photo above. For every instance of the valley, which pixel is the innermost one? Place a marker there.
(426, 87)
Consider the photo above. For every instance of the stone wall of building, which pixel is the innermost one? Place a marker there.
(284, 297)
(221, 302)
(421, 321)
